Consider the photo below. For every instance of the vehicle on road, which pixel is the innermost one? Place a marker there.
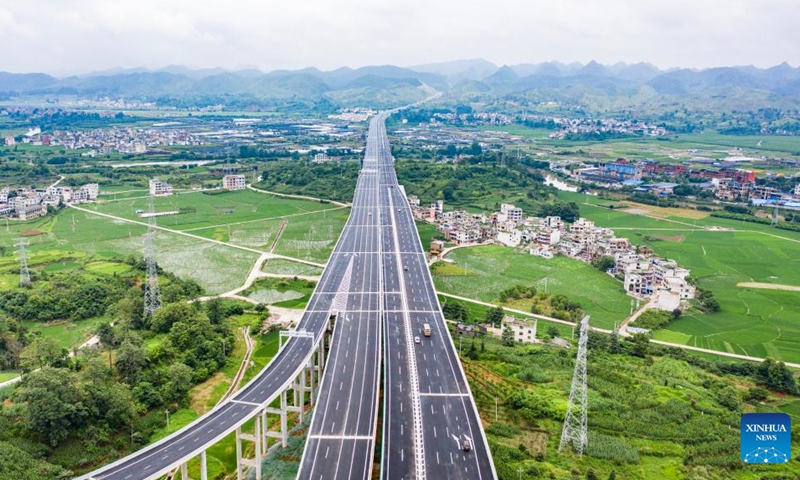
(416, 340)
(426, 329)
(466, 445)
(405, 267)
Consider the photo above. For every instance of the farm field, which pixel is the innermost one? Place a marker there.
(492, 269)
(752, 321)
(280, 266)
(312, 237)
(311, 232)
(202, 210)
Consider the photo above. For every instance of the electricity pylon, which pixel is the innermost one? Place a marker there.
(24, 273)
(575, 426)
(152, 293)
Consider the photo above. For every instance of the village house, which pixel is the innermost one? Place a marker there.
(524, 331)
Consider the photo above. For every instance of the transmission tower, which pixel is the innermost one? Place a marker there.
(775, 216)
(152, 294)
(24, 274)
(574, 430)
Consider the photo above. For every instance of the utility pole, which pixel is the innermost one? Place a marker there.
(575, 422)
(495, 409)
(24, 273)
(152, 292)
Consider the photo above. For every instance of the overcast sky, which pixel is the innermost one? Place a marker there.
(78, 36)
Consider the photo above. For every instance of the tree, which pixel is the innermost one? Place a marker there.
(147, 394)
(495, 316)
(728, 397)
(131, 360)
(171, 313)
(604, 263)
(110, 404)
(552, 331)
(641, 345)
(214, 311)
(42, 351)
(612, 475)
(508, 337)
(472, 353)
(106, 335)
(95, 371)
(777, 376)
(590, 475)
(56, 406)
(179, 382)
(676, 314)
(130, 309)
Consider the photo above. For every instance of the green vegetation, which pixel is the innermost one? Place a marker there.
(655, 319)
(330, 181)
(652, 411)
(478, 184)
(288, 293)
(499, 268)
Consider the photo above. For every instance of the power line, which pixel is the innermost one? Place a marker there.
(575, 425)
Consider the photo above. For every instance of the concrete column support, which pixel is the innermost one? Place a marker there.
(242, 464)
(203, 466)
(238, 453)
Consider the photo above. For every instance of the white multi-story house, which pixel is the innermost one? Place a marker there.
(553, 222)
(92, 190)
(510, 238)
(524, 332)
(157, 187)
(548, 236)
(234, 182)
(512, 213)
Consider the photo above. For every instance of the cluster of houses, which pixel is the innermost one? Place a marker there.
(578, 126)
(27, 203)
(729, 183)
(123, 140)
(645, 275)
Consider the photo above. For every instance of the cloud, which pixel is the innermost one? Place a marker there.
(70, 36)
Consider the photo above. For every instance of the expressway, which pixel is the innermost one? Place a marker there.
(341, 440)
(378, 282)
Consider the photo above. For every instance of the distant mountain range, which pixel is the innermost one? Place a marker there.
(359, 86)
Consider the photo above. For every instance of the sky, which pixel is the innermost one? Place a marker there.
(79, 36)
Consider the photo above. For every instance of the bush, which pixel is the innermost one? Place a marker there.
(503, 430)
(611, 448)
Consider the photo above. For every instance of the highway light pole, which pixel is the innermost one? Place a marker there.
(166, 411)
(495, 409)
